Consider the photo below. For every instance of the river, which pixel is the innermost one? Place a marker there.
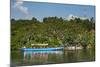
(26, 58)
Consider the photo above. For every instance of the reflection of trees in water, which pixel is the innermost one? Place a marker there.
(79, 55)
(87, 55)
(34, 57)
(66, 56)
(56, 58)
(70, 56)
(39, 57)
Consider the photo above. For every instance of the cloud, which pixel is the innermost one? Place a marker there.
(71, 16)
(19, 5)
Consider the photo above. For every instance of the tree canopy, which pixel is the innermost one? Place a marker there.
(52, 30)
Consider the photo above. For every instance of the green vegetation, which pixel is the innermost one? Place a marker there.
(54, 31)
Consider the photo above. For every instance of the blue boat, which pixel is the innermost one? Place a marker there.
(42, 49)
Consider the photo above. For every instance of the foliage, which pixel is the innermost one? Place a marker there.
(52, 30)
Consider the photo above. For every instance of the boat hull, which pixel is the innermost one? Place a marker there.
(42, 49)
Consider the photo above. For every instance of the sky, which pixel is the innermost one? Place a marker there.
(27, 10)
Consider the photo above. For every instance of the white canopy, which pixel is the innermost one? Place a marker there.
(39, 44)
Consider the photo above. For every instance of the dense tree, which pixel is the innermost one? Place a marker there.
(52, 30)
(34, 19)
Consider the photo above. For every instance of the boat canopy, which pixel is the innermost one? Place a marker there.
(39, 44)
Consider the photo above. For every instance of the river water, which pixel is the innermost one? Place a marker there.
(19, 58)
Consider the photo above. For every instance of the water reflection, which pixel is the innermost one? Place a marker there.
(41, 57)
(49, 57)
